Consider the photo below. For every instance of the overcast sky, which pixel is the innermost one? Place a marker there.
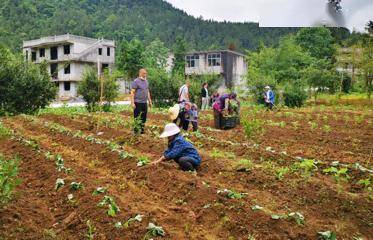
(280, 13)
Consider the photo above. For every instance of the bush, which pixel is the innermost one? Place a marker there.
(90, 89)
(8, 179)
(24, 87)
(294, 96)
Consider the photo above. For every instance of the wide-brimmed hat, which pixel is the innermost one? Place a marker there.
(170, 130)
(174, 112)
(267, 87)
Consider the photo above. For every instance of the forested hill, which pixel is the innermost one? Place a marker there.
(125, 19)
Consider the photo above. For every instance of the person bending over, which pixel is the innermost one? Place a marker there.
(179, 149)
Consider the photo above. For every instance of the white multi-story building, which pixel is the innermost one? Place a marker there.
(68, 56)
(229, 64)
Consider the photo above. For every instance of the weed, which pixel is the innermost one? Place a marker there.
(313, 125)
(327, 128)
(365, 182)
(8, 178)
(216, 153)
(295, 125)
(4, 132)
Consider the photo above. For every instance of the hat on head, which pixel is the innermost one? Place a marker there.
(267, 87)
(169, 130)
(174, 111)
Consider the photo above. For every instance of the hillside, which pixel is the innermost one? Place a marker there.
(118, 19)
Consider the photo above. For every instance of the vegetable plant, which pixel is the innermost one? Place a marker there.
(244, 165)
(137, 218)
(231, 194)
(327, 235)
(76, 186)
(98, 191)
(91, 230)
(297, 217)
(252, 127)
(59, 183)
(339, 174)
(8, 178)
(154, 231)
(280, 172)
(142, 161)
(108, 201)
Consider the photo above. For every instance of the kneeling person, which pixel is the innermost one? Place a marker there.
(179, 149)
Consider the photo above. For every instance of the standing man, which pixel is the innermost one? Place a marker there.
(205, 96)
(140, 96)
(184, 92)
(269, 97)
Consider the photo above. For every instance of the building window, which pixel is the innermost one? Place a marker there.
(214, 59)
(192, 60)
(66, 86)
(100, 51)
(54, 70)
(108, 51)
(104, 67)
(66, 49)
(33, 56)
(54, 53)
(42, 52)
(67, 69)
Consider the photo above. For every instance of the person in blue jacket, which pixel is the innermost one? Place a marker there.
(179, 149)
(269, 97)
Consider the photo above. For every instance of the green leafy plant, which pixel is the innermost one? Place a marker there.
(76, 186)
(244, 165)
(8, 178)
(4, 132)
(108, 201)
(327, 235)
(231, 194)
(365, 182)
(142, 161)
(307, 166)
(91, 230)
(297, 217)
(217, 153)
(280, 172)
(154, 231)
(252, 127)
(59, 183)
(339, 174)
(98, 191)
(137, 218)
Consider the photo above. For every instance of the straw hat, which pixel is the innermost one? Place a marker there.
(170, 130)
(267, 87)
(174, 112)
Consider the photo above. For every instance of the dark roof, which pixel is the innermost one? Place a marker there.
(216, 51)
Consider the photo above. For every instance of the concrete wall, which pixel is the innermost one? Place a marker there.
(62, 94)
(202, 67)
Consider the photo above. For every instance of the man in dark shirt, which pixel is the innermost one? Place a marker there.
(140, 96)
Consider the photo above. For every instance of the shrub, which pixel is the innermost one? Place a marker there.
(8, 178)
(24, 87)
(294, 96)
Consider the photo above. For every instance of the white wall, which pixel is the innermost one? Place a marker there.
(67, 94)
(239, 71)
(203, 68)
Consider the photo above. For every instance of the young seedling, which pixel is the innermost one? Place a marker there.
(231, 194)
(365, 182)
(244, 165)
(113, 209)
(91, 230)
(154, 231)
(328, 235)
(98, 191)
(76, 186)
(297, 217)
(142, 161)
(137, 218)
(59, 183)
(280, 172)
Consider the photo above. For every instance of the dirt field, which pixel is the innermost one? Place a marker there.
(308, 163)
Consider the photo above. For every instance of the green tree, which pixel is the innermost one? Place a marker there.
(180, 50)
(130, 57)
(90, 88)
(318, 41)
(155, 55)
(24, 87)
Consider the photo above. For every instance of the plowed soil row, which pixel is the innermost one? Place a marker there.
(320, 191)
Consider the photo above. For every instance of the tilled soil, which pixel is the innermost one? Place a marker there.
(187, 205)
